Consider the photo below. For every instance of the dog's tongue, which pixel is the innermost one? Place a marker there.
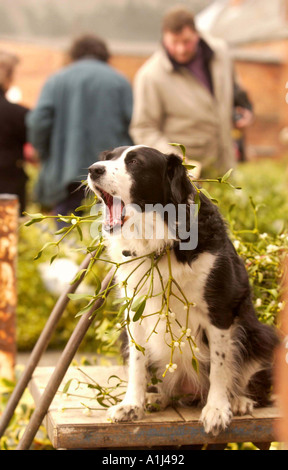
(114, 207)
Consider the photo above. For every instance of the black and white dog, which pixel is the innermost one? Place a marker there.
(234, 350)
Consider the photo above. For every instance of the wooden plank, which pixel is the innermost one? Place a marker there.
(258, 426)
(268, 412)
(68, 427)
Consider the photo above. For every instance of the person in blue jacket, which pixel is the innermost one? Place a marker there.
(83, 109)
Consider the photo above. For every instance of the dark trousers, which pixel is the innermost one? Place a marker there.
(15, 186)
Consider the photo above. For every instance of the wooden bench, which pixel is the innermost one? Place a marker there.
(71, 425)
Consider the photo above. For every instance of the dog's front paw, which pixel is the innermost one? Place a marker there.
(242, 406)
(124, 412)
(215, 419)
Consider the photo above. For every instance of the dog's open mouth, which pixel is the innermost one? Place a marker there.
(114, 214)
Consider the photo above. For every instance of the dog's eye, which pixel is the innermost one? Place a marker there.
(133, 161)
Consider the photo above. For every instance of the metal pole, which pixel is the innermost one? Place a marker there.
(61, 369)
(40, 347)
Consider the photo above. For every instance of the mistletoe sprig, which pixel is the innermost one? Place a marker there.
(198, 188)
(105, 396)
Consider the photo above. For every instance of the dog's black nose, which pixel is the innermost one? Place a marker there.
(96, 170)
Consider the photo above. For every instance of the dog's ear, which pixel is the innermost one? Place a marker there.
(106, 155)
(179, 182)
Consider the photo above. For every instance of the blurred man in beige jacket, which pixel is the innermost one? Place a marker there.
(184, 94)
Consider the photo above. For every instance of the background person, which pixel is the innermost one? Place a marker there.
(185, 94)
(243, 112)
(83, 109)
(13, 178)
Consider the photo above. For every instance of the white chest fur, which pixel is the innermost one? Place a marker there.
(175, 308)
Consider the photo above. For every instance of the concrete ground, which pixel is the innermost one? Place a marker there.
(50, 358)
